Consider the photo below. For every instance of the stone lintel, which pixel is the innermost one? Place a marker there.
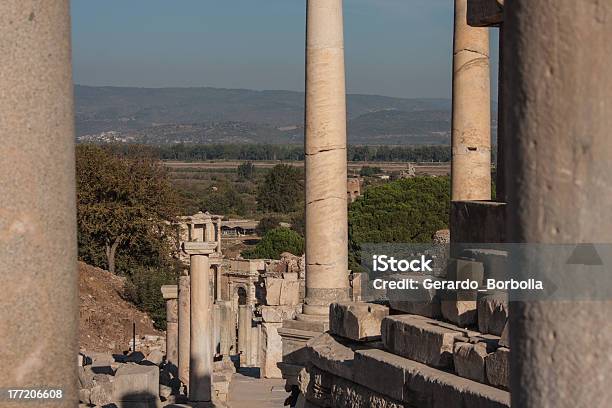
(169, 292)
(199, 248)
(485, 13)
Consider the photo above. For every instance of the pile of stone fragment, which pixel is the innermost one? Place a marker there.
(140, 378)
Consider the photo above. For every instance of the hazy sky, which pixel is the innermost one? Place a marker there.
(393, 47)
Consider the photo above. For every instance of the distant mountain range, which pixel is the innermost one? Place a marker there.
(213, 115)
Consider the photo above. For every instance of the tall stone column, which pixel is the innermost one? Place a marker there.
(219, 231)
(559, 180)
(184, 321)
(244, 332)
(170, 294)
(39, 302)
(326, 162)
(500, 179)
(471, 120)
(201, 330)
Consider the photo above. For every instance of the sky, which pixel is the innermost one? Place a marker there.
(397, 48)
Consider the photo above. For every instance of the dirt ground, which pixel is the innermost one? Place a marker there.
(105, 323)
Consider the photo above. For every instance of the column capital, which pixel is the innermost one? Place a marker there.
(199, 248)
(169, 292)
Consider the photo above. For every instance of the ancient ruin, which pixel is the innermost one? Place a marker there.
(309, 319)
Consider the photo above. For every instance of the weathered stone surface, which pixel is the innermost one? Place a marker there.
(84, 394)
(460, 312)
(165, 391)
(505, 337)
(329, 355)
(325, 161)
(485, 13)
(498, 367)
(290, 292)
(421, 301)
(271, 352)
(471, 112)
(273, 291)
(156, 357)
(492, 313)
(357, 321)
(494, 261)
(477, 222)
(101, 394)
(278, 314)
(394, 378)
(469, 360)
(381, 373)
(136, 383)
(419, 339)
(85, 377)
(330, 391)
(290, 276)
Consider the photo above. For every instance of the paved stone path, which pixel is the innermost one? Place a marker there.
(246, 391)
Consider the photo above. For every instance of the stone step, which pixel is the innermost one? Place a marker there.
(380, 377)
(420, 339)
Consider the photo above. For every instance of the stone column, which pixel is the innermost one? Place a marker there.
(471, 121)
(559, 181)
(39, 302)
(500, 179)
(244, 332)
(201, 330)
(218, 228)
(170, 294)
(325, 162)
(184, 321)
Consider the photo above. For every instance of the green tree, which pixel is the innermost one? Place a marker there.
(125, 206)
(121, 203)
(368, 171)
(274, 243)
(266, 224)
(408, 210)
(282, 189)
(246, 170)
(223, 199)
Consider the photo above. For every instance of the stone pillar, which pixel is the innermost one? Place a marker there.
(559, 179)
(471, 121)
(325, 162)
(38, 328)
(209, 231)
(201, 329)
(218, 283)
(244, 332)
(218, 227)
(500, 179)
(170, 294)
(226, 320)
(184, 321)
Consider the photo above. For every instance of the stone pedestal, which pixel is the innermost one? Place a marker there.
(170, 294)
(201, 330)
(184, 321)
(325, 159)
(38, 328)
(471, 120)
